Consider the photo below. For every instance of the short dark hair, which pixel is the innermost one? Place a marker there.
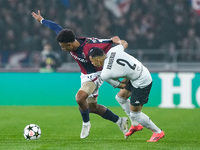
(65, 36)
(95, 52)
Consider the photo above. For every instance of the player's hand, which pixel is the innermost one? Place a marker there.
(125, 80)
(116, 40)
(37, 17)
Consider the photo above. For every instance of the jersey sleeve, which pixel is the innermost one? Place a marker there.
(114, 83)
(119, 48)
(52, 25)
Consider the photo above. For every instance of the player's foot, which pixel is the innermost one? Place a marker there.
(123, 125)
(133, 129)
(156, 136)
(85, 130)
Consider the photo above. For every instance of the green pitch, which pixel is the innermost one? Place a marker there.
(61, 128)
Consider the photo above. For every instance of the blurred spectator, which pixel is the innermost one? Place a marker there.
(50, 60)
(190, 45)
(192, 40)
(145, 24)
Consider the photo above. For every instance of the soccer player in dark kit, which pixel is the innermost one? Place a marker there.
(86, 96)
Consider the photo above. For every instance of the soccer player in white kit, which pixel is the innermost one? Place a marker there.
(137, 83)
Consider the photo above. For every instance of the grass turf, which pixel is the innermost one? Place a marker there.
(61, 126)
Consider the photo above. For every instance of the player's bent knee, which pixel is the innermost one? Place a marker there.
(123, 93)
(81, 96)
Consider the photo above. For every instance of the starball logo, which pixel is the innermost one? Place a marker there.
(188, 89)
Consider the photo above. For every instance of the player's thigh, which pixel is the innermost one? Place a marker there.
(88, 87)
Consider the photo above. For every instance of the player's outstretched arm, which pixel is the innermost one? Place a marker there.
(50, 24)
(117, 40)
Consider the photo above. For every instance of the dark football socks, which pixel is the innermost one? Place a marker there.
(85, 115)
(109, 115)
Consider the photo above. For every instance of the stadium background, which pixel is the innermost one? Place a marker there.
(163, 34)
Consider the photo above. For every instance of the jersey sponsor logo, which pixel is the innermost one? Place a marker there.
(79, 59)
(111, 60)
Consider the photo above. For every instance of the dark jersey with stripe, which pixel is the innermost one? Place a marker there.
(81, 54)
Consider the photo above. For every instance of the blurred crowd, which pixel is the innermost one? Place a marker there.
(148, 24)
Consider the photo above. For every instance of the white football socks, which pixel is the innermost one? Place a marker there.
(144, 120)
(86, 123)
(125, 104)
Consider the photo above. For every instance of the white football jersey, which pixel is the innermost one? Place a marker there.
(119, 64)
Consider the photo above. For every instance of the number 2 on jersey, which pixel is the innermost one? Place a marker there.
(122, 63)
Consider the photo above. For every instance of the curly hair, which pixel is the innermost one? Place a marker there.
(65, 36)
